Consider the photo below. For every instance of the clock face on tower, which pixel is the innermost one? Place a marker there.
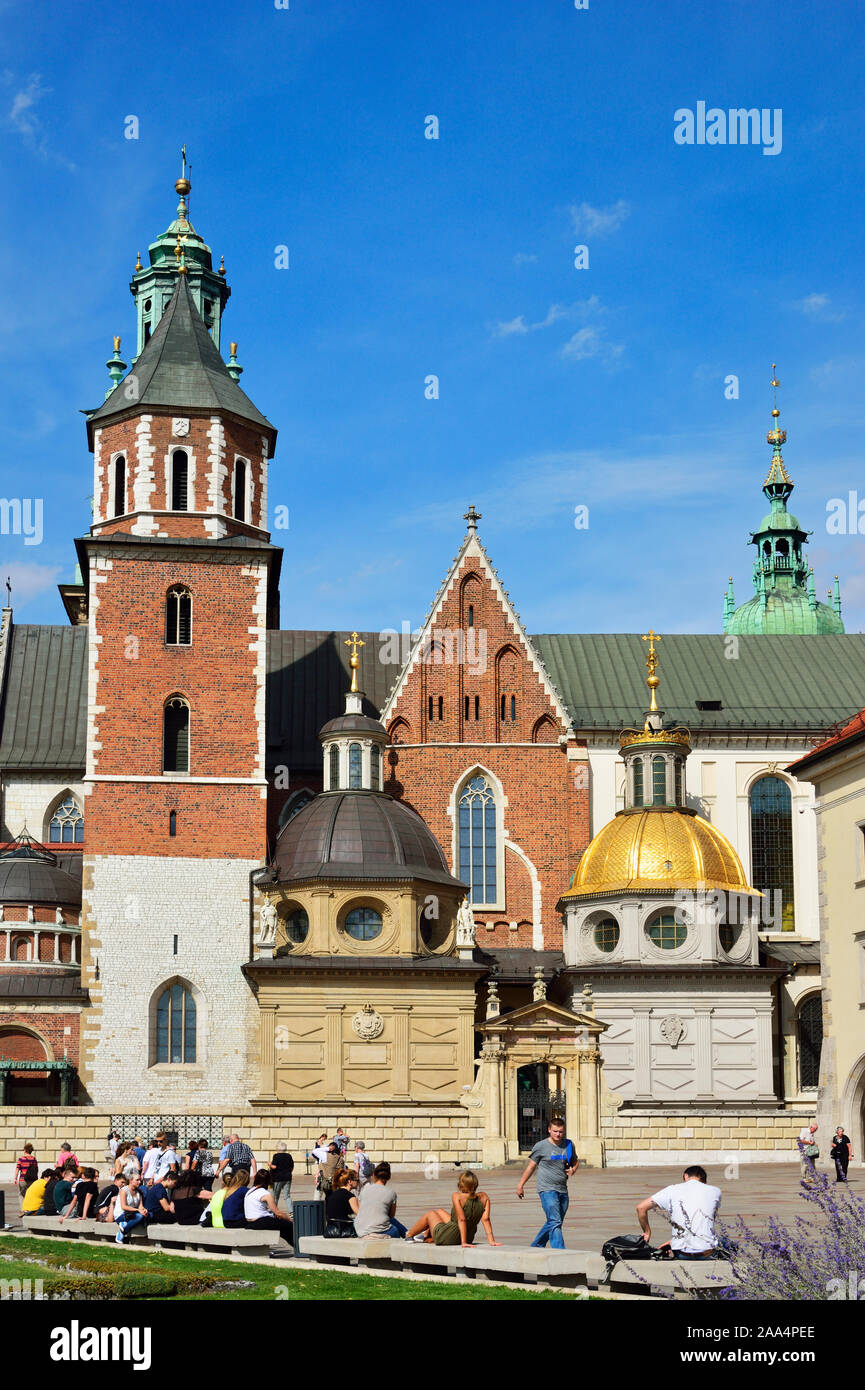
(180, 427)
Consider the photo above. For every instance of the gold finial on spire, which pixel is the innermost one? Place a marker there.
(221, 270)
(183, 185)
(138, 265)
(652, 681)
(116, 342)
(354, 660)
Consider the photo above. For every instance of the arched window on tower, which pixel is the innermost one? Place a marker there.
(375, 767)
(179, 480)
(809, 1029)
(638, 781)
(354, 766)
(334, 767)
(66, 826)
(772, 844)
(477, 840)
(175, 735)
(659, 782)
(240, 490)
(178, 617)
(119, 485)
(176, 1025)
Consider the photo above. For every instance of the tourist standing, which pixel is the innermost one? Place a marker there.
(282, 1172)
(555, 1159)
(239, 1155)
(26, 1169)
(149, 1162)
(167, 1160)
(691, 1205)
(377, 1209)
(808, 1150)
(842, 1152)
(66, 1156)
(363, 1164)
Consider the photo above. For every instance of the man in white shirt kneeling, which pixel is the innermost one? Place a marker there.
(691, 1206)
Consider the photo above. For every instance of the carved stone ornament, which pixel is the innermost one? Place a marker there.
(368, 1023)
(180, 427)
(673, 1029)
(267, 919)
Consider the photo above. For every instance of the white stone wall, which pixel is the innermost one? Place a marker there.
(30, 798)
(135, 906)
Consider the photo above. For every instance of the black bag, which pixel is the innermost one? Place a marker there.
(336, 1229)
(627, 1248)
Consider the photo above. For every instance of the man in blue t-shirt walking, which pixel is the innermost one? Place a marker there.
(556, 1160)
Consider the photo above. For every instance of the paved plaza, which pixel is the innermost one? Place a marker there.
(602, 1200)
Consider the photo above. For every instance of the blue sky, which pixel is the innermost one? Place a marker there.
(454, 257)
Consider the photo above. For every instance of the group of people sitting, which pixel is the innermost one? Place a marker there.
(157, 1186)
(368, 1208)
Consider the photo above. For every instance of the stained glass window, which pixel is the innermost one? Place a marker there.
(334, 767)
(354, 766)
(606, 934)
(363, 924)
(175, 1025)
(477, 840)
(772, 844)
(375, 767)
(297, 926)
(638, 781)
(67, 823)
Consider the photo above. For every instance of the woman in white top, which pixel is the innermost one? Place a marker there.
(127, 1208)
(260, 1211)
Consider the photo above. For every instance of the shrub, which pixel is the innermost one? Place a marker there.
(813, 1260)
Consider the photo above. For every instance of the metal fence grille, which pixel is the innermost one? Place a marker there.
(180, 1129)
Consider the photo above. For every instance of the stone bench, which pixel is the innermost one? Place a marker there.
(180, 1237)
(513, 1264)
(676, 1278)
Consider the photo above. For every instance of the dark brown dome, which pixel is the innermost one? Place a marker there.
(33, 876)
(353, 724)
(359, 835)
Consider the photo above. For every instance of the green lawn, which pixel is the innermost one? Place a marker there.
(68, 1264)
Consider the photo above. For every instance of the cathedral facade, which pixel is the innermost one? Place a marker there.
(285, 880)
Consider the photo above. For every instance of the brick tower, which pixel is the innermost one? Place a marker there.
(181, 585)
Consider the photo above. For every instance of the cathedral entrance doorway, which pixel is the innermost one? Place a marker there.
(540, 1095)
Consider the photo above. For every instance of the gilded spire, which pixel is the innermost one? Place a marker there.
(652, 681)
(182, 186)
(354, 660)
(776, 437)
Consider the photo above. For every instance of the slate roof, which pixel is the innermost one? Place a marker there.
(43, 706)
(27, 984)
(359, 835)
(307, 677)
(806, 683)
(181, 368)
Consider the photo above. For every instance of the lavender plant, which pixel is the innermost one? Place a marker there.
(812, 1260)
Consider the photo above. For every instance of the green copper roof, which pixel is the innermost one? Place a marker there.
(180, 369)
(789, 611)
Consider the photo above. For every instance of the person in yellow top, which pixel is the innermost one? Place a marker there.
(35, 1194)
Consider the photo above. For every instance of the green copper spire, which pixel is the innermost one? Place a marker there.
(784, 599)
(116, 367)
(178, 246)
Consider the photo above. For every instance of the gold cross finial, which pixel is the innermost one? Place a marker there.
(354, 660)
(652, 680)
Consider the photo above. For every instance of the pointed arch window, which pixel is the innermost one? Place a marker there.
(175, 737)
(334, 767)
(375, 767)
(179, 480)
(240, 490)
(178, 617)
(119, 485)
(67, 824)
(176, 1025)
(809, 1030)
(478, 843)
(355, 764)
(772, 843)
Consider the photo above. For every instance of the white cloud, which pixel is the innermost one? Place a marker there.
(581, 309)
(817, 306)
(22, 117)
(591, 342)
(29, 581)
(598, 222)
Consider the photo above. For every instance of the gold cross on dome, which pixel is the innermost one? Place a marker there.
(354, 660)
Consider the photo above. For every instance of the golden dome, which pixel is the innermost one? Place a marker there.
(657, 850)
